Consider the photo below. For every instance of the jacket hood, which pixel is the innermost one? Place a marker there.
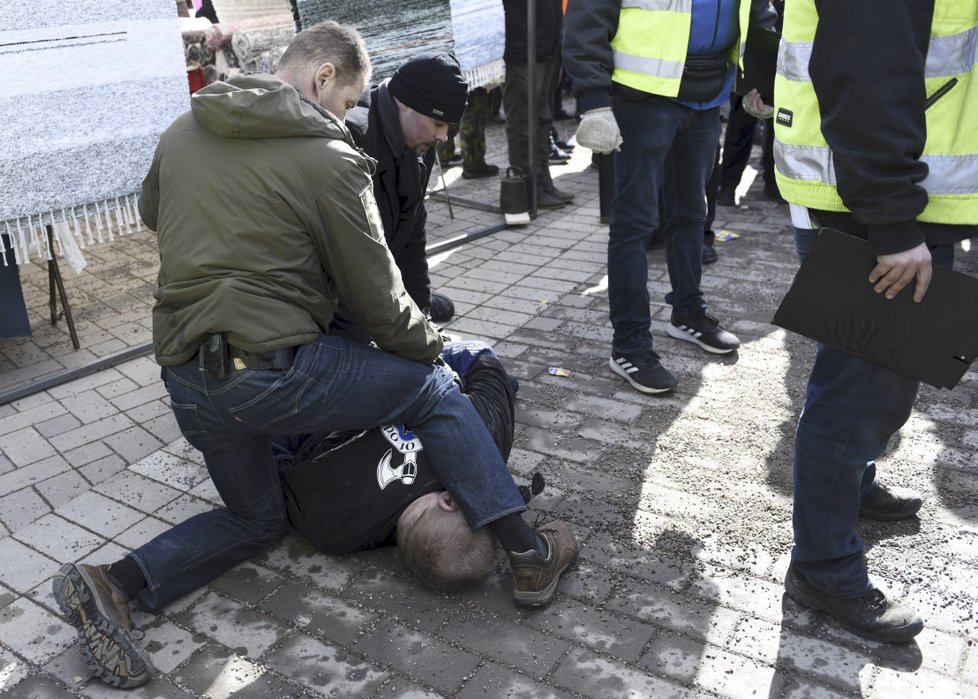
(262, 106)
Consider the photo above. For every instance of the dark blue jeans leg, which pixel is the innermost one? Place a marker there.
(688, 168)
(852, 409)
(648, 128)
(333, 385)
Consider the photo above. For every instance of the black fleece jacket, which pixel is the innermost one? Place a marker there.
(867, 68)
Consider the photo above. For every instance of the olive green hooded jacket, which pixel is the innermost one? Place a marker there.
(264, 212)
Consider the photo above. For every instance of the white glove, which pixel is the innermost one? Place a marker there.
(756, 107)
(599, 131)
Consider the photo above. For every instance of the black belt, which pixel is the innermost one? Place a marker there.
(276, 359)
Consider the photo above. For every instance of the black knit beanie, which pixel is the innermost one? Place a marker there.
(431, 84)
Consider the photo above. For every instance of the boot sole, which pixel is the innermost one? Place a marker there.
(679, 334)
(109, 651)
(901, 634)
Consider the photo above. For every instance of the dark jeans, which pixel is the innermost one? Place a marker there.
(852, 409)
(333, 385)
(516, 107)
(737, 143)
(669, 149)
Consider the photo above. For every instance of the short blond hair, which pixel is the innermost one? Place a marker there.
(444, 552)
(328, 42)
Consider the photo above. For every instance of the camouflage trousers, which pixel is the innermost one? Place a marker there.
(471, 130)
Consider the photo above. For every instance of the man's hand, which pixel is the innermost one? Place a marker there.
(893, 272)
(599, 131)
(755, 106)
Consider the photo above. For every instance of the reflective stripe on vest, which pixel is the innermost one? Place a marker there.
(805, 169)
(650, 44)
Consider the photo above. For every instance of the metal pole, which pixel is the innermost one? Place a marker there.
(531, 100)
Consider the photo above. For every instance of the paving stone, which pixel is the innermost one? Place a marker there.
(58, 538)
(25, 418)
(321, 615)
(31, 567)
(493, 680)
(102, 469)
(137, 491)
(91, 432)
(100, 514)
(216, 672)
(89, 407)
(300, 561)
(61, 488)
(534, 653)
(598, 677)
(133, 444)
(325, 669)
(419, 656)
(33, 632)
(38, 687)
(22, 507)
(602, 631)
(26, 446)
(248, 583)
(171, 470)
(231, 624)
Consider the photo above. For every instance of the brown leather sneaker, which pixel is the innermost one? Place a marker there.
(94, 606)
(534, 577)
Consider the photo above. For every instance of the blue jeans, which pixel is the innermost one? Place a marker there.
(852, 408)
(333, 385)
(669, 149)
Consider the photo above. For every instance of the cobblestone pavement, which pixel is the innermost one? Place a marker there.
(681, 502)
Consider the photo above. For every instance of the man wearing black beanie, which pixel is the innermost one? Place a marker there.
(397, 123)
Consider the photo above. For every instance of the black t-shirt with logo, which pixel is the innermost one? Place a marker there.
(344, 492)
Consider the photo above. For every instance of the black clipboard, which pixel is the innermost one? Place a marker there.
(831, 301)
(760, 63)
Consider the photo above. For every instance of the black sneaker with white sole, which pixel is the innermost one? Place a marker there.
(643, 371)
(704, 330)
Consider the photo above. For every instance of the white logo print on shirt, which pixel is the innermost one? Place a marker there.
(408, 445)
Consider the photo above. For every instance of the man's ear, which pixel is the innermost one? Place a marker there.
(446, 502)
(324, 73)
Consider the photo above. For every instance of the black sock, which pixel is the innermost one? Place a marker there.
(127, 576)
(516, 536)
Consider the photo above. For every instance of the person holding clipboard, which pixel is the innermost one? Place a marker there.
(869, 100)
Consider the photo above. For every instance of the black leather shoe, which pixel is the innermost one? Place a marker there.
(709, 254)
(476, 171)
(557, 156)
(889, 504)
(441, 309)
(872, 614)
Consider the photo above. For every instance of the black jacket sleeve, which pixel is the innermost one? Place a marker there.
(867, 68)
(589, 27)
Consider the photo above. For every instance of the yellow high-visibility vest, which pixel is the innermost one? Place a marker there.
(805, 169)
(650, 44)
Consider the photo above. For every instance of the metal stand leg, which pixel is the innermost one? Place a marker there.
(54, 280)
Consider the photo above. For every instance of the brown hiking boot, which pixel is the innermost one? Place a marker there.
(94, 606)
(534, 577)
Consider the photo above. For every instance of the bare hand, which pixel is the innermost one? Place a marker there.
(756, 107)
(893, 272)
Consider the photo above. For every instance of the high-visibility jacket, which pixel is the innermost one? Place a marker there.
(650, 45)
(805, 169)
